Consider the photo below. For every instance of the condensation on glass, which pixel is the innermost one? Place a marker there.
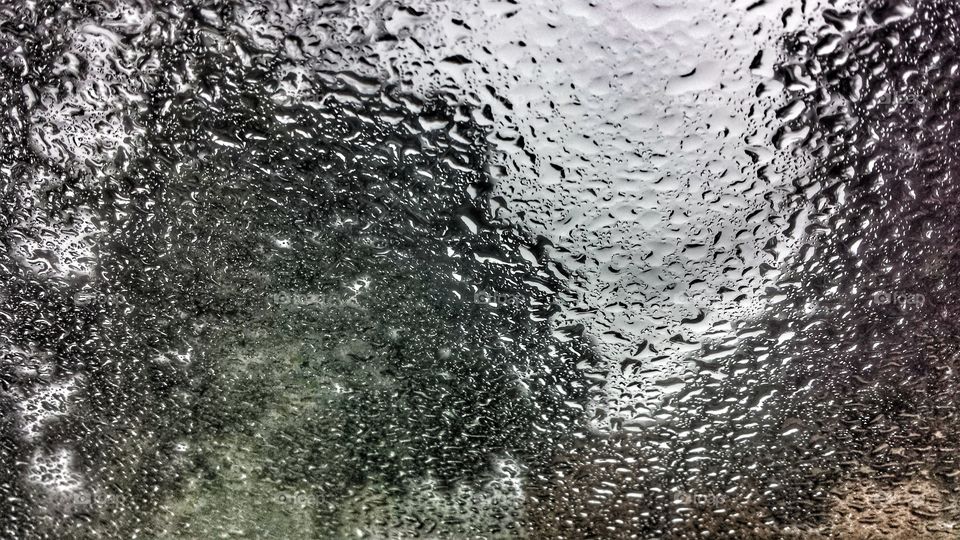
(488, 269)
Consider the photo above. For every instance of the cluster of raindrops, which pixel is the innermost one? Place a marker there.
(488, 269)
(223, 289)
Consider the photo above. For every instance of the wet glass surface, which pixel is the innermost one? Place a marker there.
(488, 269)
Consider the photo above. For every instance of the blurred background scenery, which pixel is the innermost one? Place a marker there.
(490, 269)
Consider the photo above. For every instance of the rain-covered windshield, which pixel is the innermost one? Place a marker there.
(310, 269)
